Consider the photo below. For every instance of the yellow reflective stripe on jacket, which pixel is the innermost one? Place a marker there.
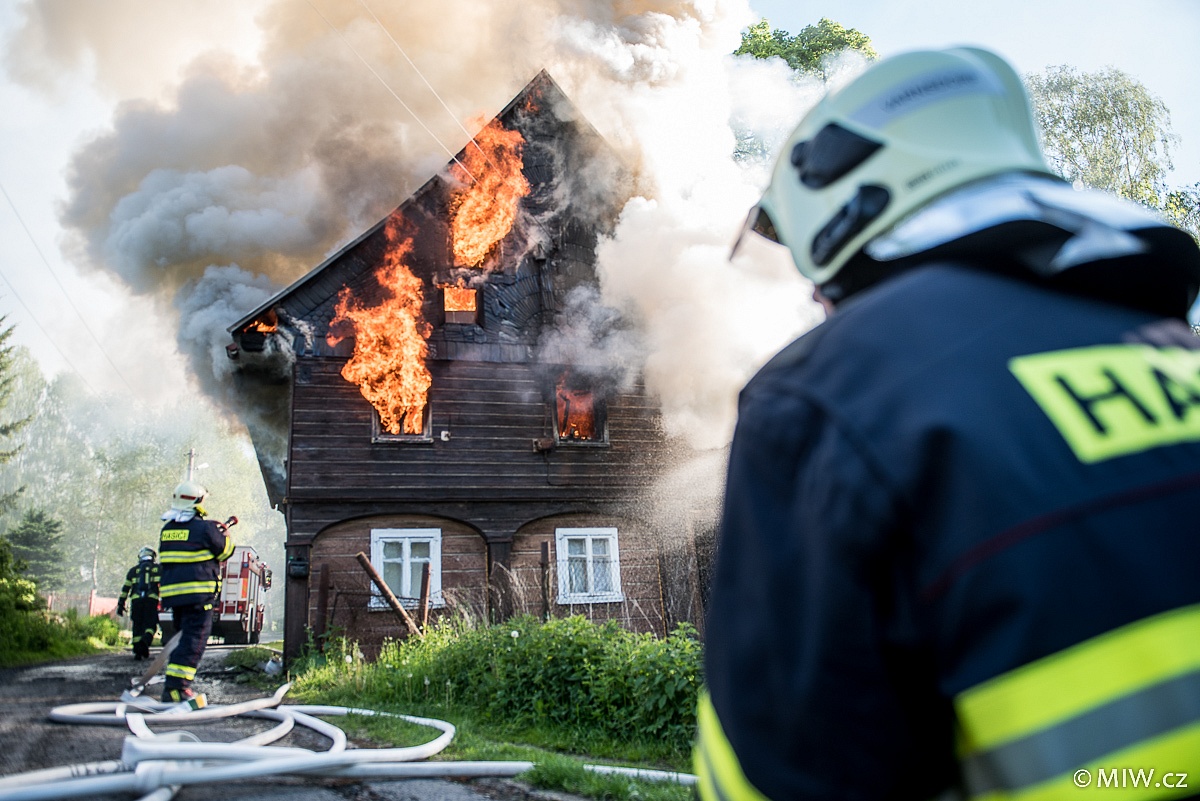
(717, 769)
(1133, 692)
(188, 588)
(185, 557)
(1113, 400)
(228, 550)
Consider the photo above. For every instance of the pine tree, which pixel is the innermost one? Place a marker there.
(8, 378)
(37, 541)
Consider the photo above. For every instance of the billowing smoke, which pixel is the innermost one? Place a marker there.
(242, 173)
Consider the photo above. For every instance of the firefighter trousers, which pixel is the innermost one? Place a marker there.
(194, 622)
(143, 615)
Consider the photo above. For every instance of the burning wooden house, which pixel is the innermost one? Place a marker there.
(430, 425)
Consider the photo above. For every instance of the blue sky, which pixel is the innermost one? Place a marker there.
(1155, 41)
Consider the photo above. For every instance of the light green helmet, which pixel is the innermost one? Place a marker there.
(909, 129)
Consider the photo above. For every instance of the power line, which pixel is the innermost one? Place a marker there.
(33, 319)
(421, 75)
(63, 289)
(346, 41)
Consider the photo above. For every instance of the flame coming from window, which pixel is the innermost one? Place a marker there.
(484, 212)
(576, 412)
(388, 365)
(458, 298)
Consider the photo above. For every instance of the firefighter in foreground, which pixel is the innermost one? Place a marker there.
(960, 549)
(191, 549)
(141, 588)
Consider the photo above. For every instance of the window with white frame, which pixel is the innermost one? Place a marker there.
(589, 569)
(400, 556)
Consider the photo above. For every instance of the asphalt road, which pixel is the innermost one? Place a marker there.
(30, 741)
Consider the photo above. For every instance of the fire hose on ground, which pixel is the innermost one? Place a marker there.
(158, 765)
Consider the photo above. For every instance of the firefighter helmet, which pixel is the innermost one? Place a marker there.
(146, 553)
(188, 495)
(909, 129)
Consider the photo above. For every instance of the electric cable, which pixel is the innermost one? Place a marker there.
(63, 288)
(33, 319)
(379, 77)
(425, 80)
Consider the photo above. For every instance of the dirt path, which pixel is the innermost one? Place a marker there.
(29, 741)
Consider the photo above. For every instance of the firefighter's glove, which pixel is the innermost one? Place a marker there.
(120, 609)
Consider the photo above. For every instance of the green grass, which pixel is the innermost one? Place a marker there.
(557, 694)
(28, 637)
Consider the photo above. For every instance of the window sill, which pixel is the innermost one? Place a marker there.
(382, 606)
(577, 600)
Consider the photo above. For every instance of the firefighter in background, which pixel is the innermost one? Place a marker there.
(190, 549)
(141, 587)
(959, 549)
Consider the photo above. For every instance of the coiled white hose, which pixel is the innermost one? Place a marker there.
(157, 766)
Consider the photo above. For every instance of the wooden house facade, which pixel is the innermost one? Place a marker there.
(517, 484)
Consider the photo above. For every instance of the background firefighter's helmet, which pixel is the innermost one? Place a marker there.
(146, 553)
(909, 129)
(188, 495)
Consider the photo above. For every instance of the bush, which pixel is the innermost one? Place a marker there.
(36, 636)
(567, 676)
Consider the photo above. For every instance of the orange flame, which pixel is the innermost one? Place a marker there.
(458, 298)
(388, 365)
(576, 412)
(484, 212)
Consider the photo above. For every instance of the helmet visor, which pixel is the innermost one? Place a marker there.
(759, 222)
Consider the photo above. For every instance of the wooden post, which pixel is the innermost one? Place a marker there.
(423, 601)
(545, 565)
(322, 622)
(386, 592)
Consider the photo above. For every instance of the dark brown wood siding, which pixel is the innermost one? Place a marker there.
(491, 414)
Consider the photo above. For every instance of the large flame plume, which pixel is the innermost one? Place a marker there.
(388, 365)
(485, 210)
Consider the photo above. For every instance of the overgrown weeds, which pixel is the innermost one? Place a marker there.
(527, 687)
(35, 635)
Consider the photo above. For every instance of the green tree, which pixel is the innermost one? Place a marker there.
(8, 377)
(37, 541)
(1183, 208)
(807, 52)
(1106, 130)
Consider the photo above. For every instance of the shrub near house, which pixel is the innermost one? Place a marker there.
(570, 679)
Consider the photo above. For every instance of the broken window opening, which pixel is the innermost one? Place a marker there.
(579, 416)
(461, 304)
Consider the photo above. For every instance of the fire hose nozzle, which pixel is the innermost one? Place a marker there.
(232, 521)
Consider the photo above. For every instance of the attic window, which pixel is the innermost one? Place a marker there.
(579, 412)
(461, 304)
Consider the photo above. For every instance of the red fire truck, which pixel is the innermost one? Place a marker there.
(237, 612)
